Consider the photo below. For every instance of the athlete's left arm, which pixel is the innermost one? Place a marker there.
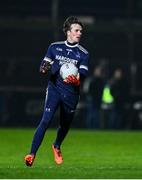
(83, 68)
(71, 79)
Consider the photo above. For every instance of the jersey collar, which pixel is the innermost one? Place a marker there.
(70, 45)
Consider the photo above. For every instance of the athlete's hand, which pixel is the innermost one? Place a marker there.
(45, 66)
(73, 80)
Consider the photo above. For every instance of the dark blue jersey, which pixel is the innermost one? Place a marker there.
(62, 52)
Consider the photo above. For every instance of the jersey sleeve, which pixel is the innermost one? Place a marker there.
(49, 55)
(83, 68)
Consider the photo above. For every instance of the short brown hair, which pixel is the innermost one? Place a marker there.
(69, 21)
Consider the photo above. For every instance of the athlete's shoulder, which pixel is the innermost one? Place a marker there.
(57, 43)
(81, 48)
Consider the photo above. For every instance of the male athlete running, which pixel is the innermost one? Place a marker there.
(61, 93)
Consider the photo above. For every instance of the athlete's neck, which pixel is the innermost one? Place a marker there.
(71, 44)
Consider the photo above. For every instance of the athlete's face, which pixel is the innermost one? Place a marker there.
(74, 34)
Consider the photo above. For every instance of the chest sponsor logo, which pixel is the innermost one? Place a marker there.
(63, 59)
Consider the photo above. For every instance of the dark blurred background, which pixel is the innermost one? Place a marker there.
(112, 35)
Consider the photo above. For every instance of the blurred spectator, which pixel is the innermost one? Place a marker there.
(107, 107)
(120, 93)
(94, 97)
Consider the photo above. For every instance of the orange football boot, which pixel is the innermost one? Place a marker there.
(57, 155)
(29, 159)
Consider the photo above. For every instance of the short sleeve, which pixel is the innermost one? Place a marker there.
(49, 54)
(83, 68)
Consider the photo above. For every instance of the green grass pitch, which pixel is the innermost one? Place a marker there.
(87, 154)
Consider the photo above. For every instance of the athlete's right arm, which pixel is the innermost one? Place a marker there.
(46, 63)
(45, 66)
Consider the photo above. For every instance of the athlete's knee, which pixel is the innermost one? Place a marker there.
(45, 123)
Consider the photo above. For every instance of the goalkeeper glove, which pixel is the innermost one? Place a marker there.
(71, 79)
(45, 66)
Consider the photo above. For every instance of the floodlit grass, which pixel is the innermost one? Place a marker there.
(87, 154)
